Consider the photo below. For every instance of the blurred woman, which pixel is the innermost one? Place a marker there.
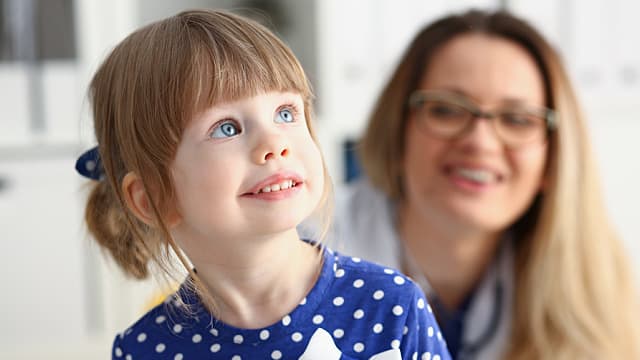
(481, 185)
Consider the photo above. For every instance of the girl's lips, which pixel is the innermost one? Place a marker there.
(279, 182)
(275, 195)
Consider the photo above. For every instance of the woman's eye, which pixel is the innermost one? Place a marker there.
(226, 129)
(516, 119)
(285, 116)
(441, 110)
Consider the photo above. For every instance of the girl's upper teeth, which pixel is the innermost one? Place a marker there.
(286, 184)
(482, 176)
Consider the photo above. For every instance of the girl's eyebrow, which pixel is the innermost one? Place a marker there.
(291, 97)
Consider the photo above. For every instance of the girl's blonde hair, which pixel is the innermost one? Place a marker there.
(144, 94)
(575, 293)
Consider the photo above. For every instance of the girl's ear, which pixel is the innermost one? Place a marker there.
(136, 198)
(139, 203)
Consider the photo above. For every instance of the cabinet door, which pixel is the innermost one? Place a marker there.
(46, 297)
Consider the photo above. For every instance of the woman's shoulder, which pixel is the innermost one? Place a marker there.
(364, 223)
(360, 194)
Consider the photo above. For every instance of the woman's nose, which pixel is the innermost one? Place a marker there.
(481, 135)
(270, 146)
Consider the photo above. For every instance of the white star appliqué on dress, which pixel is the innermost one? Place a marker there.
(322, 347)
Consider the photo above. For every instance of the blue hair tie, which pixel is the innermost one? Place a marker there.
(89, 165)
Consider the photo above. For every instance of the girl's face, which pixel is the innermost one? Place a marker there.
(475, 180)
(247, 169)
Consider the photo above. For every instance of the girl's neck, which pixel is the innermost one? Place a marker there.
(453, 258)
(255, 287)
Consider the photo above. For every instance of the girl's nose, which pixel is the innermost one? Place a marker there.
(270, 146)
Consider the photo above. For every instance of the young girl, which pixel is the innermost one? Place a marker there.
(206, 151)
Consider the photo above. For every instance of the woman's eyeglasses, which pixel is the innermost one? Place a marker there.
(448, 116)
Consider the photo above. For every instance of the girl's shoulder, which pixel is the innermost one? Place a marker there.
(359, 277)
(383, 309)
(153, 333)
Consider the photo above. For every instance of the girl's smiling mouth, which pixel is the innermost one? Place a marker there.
(277, 186)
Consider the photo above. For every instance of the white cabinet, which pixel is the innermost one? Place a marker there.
(46, 295)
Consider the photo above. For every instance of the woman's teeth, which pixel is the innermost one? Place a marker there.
(479, 176)
(277, 187)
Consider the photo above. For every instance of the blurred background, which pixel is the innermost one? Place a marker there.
(61, 299)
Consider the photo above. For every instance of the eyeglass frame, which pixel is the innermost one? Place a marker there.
(418, 97)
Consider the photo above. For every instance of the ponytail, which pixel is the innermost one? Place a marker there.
(110, 226)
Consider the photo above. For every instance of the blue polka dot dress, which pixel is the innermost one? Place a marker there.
(356, 310)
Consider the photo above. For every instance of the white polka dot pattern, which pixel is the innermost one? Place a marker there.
(318, 319)
(378, 295)
(363, 309)
(421, 303)
(90, 165)
(377, 328)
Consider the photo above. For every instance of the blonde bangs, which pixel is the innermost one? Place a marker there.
(236, 61)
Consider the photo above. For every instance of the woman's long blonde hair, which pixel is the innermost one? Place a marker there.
(575, 294)
(142, 97)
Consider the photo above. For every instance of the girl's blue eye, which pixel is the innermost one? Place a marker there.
(226, 129)
(285, 116)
